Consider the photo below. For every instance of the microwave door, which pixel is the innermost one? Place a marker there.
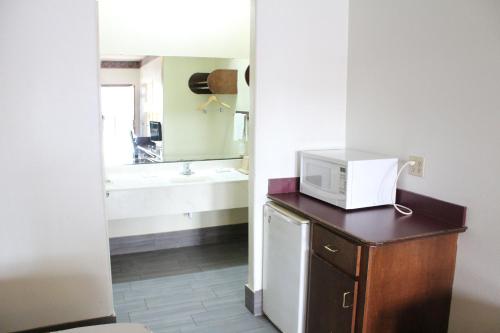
(325, 179)
(318, 175)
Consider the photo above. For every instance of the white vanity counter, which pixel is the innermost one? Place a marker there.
(148, 190)
(162, 178)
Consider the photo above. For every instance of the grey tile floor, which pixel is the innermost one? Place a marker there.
(193, 289)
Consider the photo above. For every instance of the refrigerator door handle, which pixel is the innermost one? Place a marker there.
(283, 218)
(272, 209)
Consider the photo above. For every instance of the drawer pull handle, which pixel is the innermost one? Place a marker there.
(330, 249)
(343, 300)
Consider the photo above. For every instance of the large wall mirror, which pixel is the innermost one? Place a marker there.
(149, 52)
(151, 113)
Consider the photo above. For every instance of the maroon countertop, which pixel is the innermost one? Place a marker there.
(379, 225)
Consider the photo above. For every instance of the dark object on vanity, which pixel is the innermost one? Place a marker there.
(144, 146)
(144, 141)
(375, 271)
(155, 130)
(220, 81)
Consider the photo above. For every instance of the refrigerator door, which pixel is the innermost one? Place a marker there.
(286, 247)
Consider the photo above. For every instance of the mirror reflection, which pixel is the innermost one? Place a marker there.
(166, 109)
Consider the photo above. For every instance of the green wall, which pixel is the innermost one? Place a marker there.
(192, 134)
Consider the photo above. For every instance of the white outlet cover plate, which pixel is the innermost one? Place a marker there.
(417, 170)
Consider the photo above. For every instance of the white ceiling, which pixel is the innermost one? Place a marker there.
(196, 28)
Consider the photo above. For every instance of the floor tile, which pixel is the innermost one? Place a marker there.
(186, 290)
(219, 313)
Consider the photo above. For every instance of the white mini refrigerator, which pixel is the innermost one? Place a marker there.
(285, 266)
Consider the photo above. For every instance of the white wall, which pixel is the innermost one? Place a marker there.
(54, 256)
(424, 79)
(243, 98)
(125, 76)
(176, 222)
(298, 78)
(151, 98)
(186, 28)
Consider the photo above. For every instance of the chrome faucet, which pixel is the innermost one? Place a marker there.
(186, 169)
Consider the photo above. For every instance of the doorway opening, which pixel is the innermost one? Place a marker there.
(117, 108)
(177, 185)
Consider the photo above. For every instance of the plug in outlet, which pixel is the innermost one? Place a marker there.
(417, 169)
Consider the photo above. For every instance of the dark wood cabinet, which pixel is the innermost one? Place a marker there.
(398, 287)
(332, 295)
(376, 271)
(338, 251)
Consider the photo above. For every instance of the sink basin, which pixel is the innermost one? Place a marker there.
(189, 179)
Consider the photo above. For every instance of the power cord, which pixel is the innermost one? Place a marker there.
(400, 208)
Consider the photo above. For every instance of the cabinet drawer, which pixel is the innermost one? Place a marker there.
(336, 250)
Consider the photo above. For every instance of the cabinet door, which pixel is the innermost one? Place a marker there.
(332, 297)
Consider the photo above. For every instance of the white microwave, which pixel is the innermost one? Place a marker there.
(349, 179)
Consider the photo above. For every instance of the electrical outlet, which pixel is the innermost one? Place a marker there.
(417, 169)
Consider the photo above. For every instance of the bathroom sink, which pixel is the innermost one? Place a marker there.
(189, 179)
(160, 192)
